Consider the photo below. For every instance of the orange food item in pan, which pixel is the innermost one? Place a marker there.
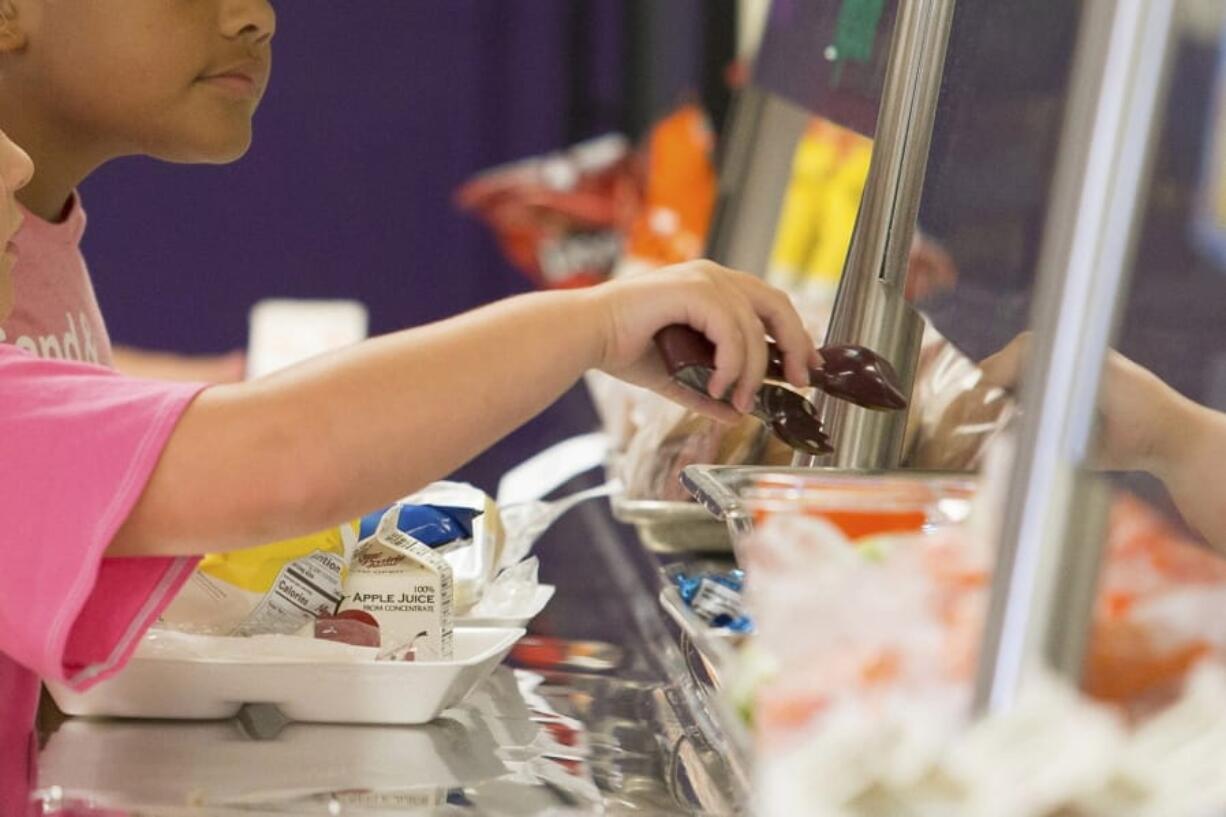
(780, 713)
(1146, 560)
(859, 508)
(1154, 619)
(1126, 666)
(857, 524)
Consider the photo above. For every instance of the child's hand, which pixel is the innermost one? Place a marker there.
(1137, 411)
(734, 310)
(1145, 425)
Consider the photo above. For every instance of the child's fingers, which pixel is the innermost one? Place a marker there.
(754, 370)
(699, 403)
(780, 317)
(714, 319)
(791, 336)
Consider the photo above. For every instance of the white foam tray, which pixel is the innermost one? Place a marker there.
(130, 765)
(544, 593)
(385, 692)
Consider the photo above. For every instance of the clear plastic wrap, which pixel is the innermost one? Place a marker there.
(512, 591)
(954, 414)
(172, 645)
(275, 588)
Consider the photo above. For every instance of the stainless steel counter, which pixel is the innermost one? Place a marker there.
(597, 712)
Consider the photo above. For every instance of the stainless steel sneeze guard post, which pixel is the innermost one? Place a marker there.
(870, 309)
(1051, 535)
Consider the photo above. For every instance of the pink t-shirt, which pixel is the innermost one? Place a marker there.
(55, 313)
(78, 443)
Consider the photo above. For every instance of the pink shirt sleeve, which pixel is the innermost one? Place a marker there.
(78, 443)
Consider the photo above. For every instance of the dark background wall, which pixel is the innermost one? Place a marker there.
(373, 117)
(376, 112)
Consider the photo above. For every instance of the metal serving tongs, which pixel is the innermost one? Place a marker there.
(852, 373)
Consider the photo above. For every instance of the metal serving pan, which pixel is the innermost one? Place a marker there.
(719, 488)
(673, 527)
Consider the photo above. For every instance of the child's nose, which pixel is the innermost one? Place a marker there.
(255, 19)
(16, 167)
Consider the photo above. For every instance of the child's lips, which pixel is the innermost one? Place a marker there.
(235, 83)
(240, 81)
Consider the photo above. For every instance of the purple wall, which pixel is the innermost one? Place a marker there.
(376, 111)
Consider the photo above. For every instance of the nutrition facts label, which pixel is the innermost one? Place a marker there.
(305, 588)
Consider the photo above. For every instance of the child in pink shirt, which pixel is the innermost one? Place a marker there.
(56, 316)
(55, 313)
(77, 445)
(109, 486)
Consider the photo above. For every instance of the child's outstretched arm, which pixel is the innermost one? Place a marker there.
(335, 437)
(1145, 425)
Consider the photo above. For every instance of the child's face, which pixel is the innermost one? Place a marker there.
(15, 170)
(175, 79)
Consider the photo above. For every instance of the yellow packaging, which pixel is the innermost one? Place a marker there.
(829, 169)
(274, 588)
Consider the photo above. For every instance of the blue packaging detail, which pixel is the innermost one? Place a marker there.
(432, 525)
(716, 599)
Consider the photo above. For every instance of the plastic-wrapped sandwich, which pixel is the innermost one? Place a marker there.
(271, 589)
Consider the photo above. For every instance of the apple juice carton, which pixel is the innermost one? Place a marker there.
(399, 577)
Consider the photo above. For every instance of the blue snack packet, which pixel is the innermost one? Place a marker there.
(432, 525)
(716, 599)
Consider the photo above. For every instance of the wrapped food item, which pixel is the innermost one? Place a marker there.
(473, 546)
(651, 468)
(560, 218)
(674, 439)
(671, 223)
(511, 592)
(577, 216)
(871, 649)
(473, 564)
(180, 646)
(404, 583)
(716, 598)
(829, 169)
(955, 415)
(274, 588)
(845, 622)
(1154, 617)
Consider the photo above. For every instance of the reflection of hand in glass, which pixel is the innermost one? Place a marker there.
(930, 269)
(1145, 425)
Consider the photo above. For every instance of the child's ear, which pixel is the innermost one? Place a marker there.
(12, 34)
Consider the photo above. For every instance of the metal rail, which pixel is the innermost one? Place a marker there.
(870, 308)
(1051, 536)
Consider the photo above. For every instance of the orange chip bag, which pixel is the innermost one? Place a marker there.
(560, 218)
(672, 223)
